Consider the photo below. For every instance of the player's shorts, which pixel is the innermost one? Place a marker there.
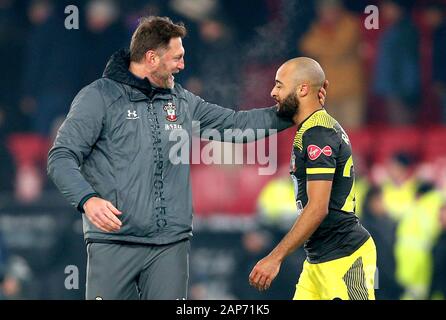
(347, 278)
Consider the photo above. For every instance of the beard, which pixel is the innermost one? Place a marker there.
(166, 79)
(288, 108)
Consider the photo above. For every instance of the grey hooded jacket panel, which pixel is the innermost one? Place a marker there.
(115, 143)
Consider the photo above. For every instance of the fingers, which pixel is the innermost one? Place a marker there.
(112, 208)
(321, 99)
(99, 224)
(322, 94)
(105, 221)
(259, 281)
(326, 84)
(103, 215)
(267, 283)
(112, 221)
(253, 277)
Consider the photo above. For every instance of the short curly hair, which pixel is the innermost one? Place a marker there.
(154, 33)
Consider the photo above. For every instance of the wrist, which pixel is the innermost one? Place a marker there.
(277, 255)
(82, 203)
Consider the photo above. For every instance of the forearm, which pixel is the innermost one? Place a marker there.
(232, 126)
(261, 118)
(301, 231)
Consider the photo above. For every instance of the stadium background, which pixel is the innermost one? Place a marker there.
(388, 90)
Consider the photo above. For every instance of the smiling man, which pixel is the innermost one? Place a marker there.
(341, 255)
(111, 160)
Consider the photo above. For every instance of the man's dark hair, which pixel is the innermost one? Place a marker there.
(154, 33)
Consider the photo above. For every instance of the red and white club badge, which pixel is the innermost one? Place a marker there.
(171, 112)
(314, 151)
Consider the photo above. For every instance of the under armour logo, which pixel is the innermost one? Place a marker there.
(132, 115)
(314, 151)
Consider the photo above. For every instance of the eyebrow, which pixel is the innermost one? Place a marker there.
(279, 82)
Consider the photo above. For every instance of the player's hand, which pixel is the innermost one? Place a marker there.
(102, 214)
(264, 272)
(323, 93)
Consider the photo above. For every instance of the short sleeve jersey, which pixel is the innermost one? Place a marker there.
(322, 151)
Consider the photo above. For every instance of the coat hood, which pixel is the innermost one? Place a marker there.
(117, 69)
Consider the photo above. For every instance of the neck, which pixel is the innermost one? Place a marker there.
(139, 70)
(305, 110)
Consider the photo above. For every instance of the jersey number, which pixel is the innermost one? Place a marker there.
(349, 204)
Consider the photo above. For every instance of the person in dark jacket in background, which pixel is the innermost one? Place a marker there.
(438, 54)
(382, 228)
(397, 69)
(102, 34)
(51, 67)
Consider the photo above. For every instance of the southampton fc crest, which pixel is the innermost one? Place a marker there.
(171, 112)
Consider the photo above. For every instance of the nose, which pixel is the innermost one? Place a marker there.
(273, 93)
(181, 64)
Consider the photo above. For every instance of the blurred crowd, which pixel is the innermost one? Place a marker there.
(392, 76)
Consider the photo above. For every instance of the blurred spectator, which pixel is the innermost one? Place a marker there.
(438, 286)
(11, 50)
(218, 67)
(3, 265)
(245, 19)
(255, 245)
(439, 54)
(7, 168)
(51, 67)
(14, 274)
(416, 234)
(197, 10)
(399, 185)
(382, 229)
(276, 203)
(28, 184)
(362, 184)
(102, 36)
(397, 69)
(334, 40)
(17, 279)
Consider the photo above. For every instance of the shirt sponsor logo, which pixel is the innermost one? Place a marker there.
(314, 151)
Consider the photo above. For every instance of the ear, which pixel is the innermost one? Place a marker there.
(151, 57)
(303, 90)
